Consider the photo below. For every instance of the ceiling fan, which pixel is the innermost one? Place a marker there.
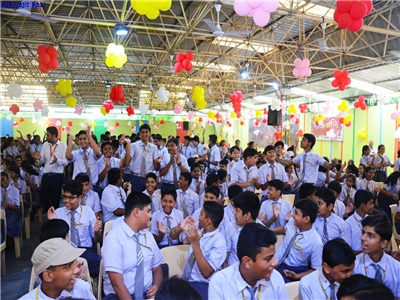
(216, 29)
(322, 44)
(25, 11)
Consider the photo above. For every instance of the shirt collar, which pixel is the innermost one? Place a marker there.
(64, 294)
(88, 150)
(324, 281)
(241, 284)
(210, 234)
(358, 217)
(305, 233)
(368, 261)
(164, 215)
(129, 232)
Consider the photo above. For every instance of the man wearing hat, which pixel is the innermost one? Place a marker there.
(54, 261)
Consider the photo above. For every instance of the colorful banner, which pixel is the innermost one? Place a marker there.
(329, 129)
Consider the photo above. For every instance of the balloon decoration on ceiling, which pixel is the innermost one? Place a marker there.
(130, 110)
(259, 10)
(360, 103)
(45, 111)
(276, 104)
(64, 87)
(37, 105)
(115, 56)
(236, 99)
(184, 61)
(151, 8)
(14, 108)
(47, 57)
(162, 94)
(78, 110)
(349, 14)
(14, 90)
(342, 79)
(303, 108)
(70, 101)
(178, 108)
(301, 68)
(117, 94)
(198, 97)
(106, 107)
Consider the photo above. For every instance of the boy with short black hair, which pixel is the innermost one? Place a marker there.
(54, 228)
(338, 264)
(339, 208)
(233, 191)
(214, 155)
(207, 250)
(155, 196)
(302, 246)
(245, 173)
(364, 203)
(113, 197)
(307, 191)
(197, 184)
(328, 225)
(187, 200)
(89, 197)
(187, 151)
(254, 276)
(223, 186)
(223, 165)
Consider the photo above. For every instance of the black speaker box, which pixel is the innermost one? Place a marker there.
(185, 125)
(274, 117)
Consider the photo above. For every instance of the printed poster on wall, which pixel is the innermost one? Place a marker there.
(329, 129)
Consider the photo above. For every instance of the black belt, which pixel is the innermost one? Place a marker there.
(52, 174)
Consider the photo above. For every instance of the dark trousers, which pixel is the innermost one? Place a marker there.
(138, 183)
(50, 190)
(168, 186)
(114, 297)
(93, 260)
(297, 270)
(202, 288)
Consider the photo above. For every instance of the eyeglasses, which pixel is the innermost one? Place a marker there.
(69, 198)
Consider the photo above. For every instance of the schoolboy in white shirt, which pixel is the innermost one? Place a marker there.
(223, 186)
(197, 184)
(328, 225)
(106, 162)
(233, 191)
(301, 250)
(155, 195)
(187, 150)
(254, 276)
(207, 251)
(131, 258)
(113, 198)
(338, 264)
(89, 198)
(339, 207)
(187, 200)
(374, 262)
(214, 155)
(165, 219)
(364, 206)
(245, 173)
(275, 208)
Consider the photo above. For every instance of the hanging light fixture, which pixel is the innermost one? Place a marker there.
(108, 84)
(121, 30)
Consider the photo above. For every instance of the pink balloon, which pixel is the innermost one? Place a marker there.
(261, 18)
(251, 13)
(298, 63)
(295, 72)
(394, 116)
(254, 3)
(301, 73)
(306, 63)
(241, 8)
(270, 6)
(307, 72)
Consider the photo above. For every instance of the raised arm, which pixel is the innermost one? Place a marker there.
(92, 143)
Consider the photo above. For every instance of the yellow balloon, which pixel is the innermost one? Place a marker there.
(211, 115)
(142, 7)
(109, 63)
(124, 58)
(118, 64)
(141, 123)
(153, 13)
(94, 124)
(167, 5)
(103, 110)
(233, 115)
(119, 50)
(157, 4)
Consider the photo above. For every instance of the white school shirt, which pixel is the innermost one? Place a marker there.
(79, 164)
(215, 156)
(187, 151)
(169, 176)
(315, 286)
(155, 200)
(101, 164)
(137, 154)
(343, 194)
(12, 195)
(84, 216)
(35, 148)
(335, 226)
(176, 218)
(112, 198)
(265, 172)
(21, 185)
(232, 232)
(59, 151)
(223, 190)
(199, 149)
(377, 160)
(241, 173)
(212, 245)
(390, 269)
(229, 212)
(229, 284)
(313, 161)
(119, 255)
(365, 160)
(373, 151)
(364, 184)
(194, 184)
(187, 201)
(92, 201)
(339, 209)
(284, 207)
(306, 249)
(80, 290)
(397, 165)
(353, 230)
(162, 151)
(393, 189)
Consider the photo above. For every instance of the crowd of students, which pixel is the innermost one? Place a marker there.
(161, 192)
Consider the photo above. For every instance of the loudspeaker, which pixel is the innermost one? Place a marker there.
(274, 117)
(185, 125)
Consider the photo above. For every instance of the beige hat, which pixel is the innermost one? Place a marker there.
(195, 156)
(54, 252)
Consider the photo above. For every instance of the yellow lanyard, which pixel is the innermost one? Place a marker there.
(320, 283)
(80, 216)
(258, 293)
(358, 222)
(37, 293)
(145, 239)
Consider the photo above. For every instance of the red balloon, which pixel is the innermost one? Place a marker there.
(41, 49)
(345, 74)
(180, 57)
(185, 63)
(357, 105)
(369, 5)
(337, 74)
(348, 124)
(344, 6)
(189, 55)
(43, 68)
(341, 81)
(336, 15)
(178, 67)
(189, 67)
(233, 97)
(53, 64)
(361, 99)
(52, 51)
(341, 120)
(264, 121)
(348, 81)
(44, 58)
(358, 10)
(356, 25)
(335, 83)
(344, 21)
(342, 87)
(363, 106)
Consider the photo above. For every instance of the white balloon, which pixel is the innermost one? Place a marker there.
(45, 111)
(153, 113)
(144, 109)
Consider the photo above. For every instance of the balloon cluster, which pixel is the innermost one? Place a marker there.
(106, 107)
(346, 120)
(198, 97)
(300, 133)
(14, 108)
(303, 108)
(360, 103)
(144, 109)
(294, 119)
(301, 68)
(362, 133)
(117, 94)
(162, 94)
(343, 106)
(37, 105)
(47, 57)
(350, 13)
(64, 87)
(331, 134)
(260, 10)
(151, 8)
(237, 98)
(319, 119)
(14, 90)
(70, 101)
(115, 56)
(342, 79)
(178, 108)
(184, 61)
(276, 104)
(292, 109)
